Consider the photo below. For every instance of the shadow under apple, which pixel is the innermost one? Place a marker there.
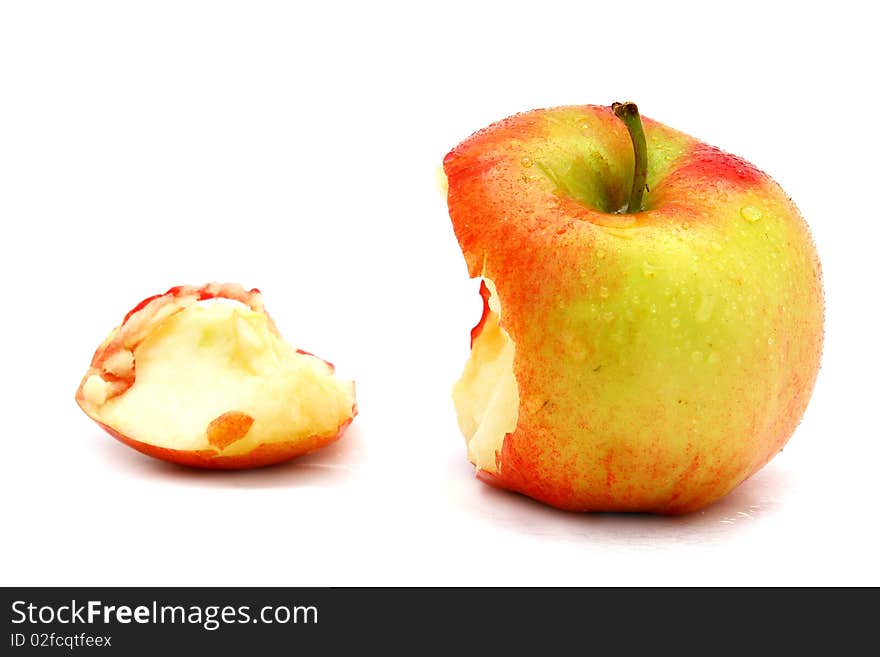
(329, 466)
(751, 501)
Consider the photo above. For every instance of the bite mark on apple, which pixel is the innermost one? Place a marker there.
(114, 362)
(487, 394)
(484, 294)
(94, 390)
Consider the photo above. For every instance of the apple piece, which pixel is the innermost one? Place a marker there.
(653, 311)
(201, 376)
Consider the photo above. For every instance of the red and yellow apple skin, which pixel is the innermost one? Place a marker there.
(265, 454)
(661, 357)
(115, 364)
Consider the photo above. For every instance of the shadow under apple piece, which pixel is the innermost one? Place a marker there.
(329, 466)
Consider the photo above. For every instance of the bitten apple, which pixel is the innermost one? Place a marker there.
(200, 376)
(652, 311)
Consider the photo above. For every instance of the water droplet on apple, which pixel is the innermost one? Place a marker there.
(650, 270)
(603, 292)
(704, 312)
(770, 341)
(600, 254)
(636, 299)
(608, 317)
(714, 358)
(750, 213)
(526, 162)
(675, 322)
(697, 356)
(654, 308)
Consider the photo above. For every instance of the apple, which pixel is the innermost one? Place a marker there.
(201, 377)
(652, 311)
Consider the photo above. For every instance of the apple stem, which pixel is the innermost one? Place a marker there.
(628, 112)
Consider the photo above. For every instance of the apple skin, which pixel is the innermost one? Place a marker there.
(265, 454)
(662, 357)
(135, 327)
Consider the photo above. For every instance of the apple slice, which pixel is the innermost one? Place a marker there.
(201, 376)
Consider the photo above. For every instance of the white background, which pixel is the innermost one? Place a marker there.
(293, 147)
